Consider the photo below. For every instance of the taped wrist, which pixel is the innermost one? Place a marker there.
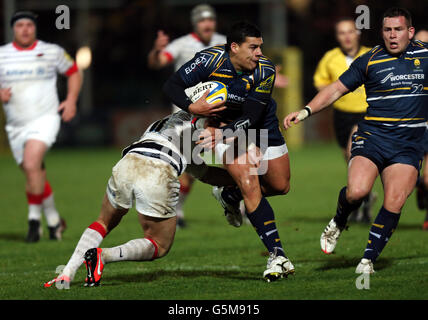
(304, 113)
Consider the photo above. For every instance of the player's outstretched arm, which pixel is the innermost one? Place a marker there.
(322, 100)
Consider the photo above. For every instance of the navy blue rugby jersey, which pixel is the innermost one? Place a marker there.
(397, 91)
(213, 64)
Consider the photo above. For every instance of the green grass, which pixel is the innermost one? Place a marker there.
(209, 259)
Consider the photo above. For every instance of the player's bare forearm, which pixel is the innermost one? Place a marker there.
(68, 107)
(327, 96)
(74, 83)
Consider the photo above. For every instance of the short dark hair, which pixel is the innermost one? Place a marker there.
(398, 12)
(23, 15)
(239, 31)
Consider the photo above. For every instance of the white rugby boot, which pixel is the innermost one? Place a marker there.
(365, 266)
(330, 236)
(232, 212)
(277, 267)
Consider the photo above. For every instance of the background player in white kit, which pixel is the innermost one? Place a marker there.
(28, 74)
(178, 52)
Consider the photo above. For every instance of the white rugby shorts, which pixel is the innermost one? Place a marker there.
(272, 152)
(44, 128)
(152, 183)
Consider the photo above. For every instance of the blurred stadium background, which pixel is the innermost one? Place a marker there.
(121, 96)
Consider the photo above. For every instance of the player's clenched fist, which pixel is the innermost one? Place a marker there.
(68, 110)
(5, 94)
(161, 41)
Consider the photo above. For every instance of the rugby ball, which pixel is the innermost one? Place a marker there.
(218, 91)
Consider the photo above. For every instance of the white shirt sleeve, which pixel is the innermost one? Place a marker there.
(63, 61)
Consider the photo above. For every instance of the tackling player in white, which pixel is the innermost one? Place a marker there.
(148, 175)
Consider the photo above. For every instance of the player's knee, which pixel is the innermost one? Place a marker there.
(248, 184)
(30, 166)
(394, 201)
(356, 193)
(278, 189)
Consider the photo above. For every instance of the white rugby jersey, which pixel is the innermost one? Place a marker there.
(31, 73)
(184, 48)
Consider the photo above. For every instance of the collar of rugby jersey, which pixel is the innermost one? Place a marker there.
(18, 47)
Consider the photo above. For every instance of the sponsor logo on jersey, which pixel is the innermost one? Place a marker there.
(411, 76)
(417, 63)
(18, 72)
(195, 64)
(266, 85)
(234, 97)
(242, 124)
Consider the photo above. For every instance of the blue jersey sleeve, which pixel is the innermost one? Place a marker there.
(356, 74)
(197, 69)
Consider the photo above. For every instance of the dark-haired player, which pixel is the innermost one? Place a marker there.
(389, 139)
(249, 77)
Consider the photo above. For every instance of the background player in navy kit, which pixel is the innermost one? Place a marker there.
(250, 78)
(389, 139)
(422, 193)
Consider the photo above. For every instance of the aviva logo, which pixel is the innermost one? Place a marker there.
(266, 85)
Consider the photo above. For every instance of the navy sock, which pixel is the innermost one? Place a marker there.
(263, 220)
(380, 232)
(231, 194)
(344, 208)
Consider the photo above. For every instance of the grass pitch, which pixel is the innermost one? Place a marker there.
(209, 259)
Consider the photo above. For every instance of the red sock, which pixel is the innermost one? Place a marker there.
(99, 228)
(47, 191)
(35, 199)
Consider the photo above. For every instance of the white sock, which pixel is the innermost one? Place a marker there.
(35, 212)
(49, 209)
(134, 250)
(90, 239)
